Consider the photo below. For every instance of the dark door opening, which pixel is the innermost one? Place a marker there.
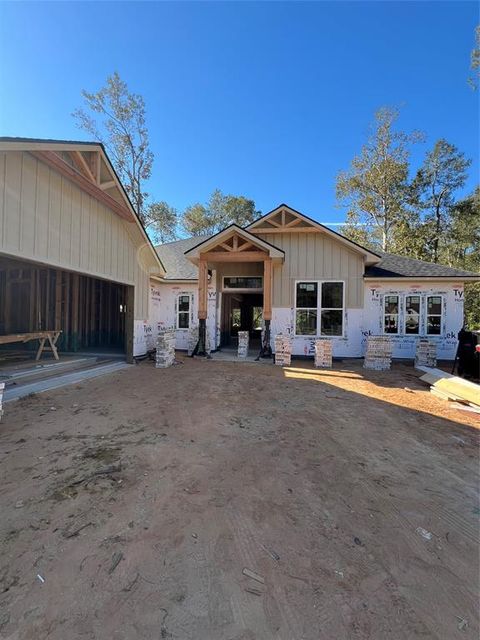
(241, 312)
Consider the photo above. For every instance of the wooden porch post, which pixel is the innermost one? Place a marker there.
(202, 289)
(267, 289)
(201, 348)
(266, 350)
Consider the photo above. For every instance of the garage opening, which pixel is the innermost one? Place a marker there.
(91, 313)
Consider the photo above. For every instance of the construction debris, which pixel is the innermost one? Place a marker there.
(379, 353)
(165, 355)
(243, 339)
(116, 559)
(451, 388)
(283, 350)
(323, 353)
(426, 353)
(253, 575)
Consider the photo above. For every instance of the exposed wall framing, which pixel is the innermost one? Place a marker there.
(90, 312)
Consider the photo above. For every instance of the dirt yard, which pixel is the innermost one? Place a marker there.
(131, 504)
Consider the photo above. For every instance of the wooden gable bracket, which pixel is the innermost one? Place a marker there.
(82, 165)
(53, 160)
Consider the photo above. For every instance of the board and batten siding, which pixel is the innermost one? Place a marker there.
(46, 218)
(315, 256)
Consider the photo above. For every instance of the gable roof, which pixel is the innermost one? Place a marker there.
(204, 245)
(178, 267)
(371, 257)
(111, 190)
(393, 266)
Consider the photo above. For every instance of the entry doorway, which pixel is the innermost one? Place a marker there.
(241, 312)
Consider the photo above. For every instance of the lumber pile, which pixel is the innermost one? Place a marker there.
(426, 353)
(165, 354)
(379, 353)
(465, 394)
(283, 350)
(323, 353)
(2, 387)
(242, 349)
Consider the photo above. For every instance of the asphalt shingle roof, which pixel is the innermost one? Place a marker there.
(173, 259)
(393, 266)
(178, 267)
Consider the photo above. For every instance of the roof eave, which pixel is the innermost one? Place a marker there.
(36, 144)
(451, 278)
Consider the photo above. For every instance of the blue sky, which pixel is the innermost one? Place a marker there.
(269, 100)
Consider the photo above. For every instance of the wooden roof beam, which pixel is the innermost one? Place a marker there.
(82, 165)
(54, 161)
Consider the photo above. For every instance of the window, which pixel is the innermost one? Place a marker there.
(332, 309)
(242, 282)
(412, 315)
(390, 316)
(183, 311)
(306, 309)
(434, 315)
(319, 315)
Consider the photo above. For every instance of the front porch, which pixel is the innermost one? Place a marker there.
(243, 267)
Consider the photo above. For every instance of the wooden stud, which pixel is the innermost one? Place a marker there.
(129, 322)
(104, 186)
(58, 300)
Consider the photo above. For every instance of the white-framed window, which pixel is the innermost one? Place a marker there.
(434, 315)
(183, 311)
(319, 308)
(412, 315)
(390, 313)
(306, 309)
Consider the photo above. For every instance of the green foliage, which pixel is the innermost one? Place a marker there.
(121, 127)
(161, 221)
(375, 188)
(219, 212)
(433, 189)
(420, 218)
(475, 60)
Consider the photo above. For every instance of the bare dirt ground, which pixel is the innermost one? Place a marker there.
(131, 504)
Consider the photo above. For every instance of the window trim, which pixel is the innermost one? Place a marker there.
(420, 315)
(423, 315)
(318, 309)
(179, 295)
(399, 299)
(242, 289)
(441, 315)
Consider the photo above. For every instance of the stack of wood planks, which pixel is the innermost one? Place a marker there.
(463, 394)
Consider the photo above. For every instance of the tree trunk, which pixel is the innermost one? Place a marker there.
(438, 220)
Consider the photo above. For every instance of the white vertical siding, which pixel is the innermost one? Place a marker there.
(315, 256)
